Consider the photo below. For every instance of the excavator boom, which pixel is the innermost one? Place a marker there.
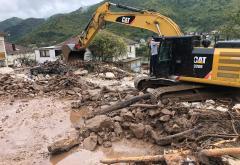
(144, 19)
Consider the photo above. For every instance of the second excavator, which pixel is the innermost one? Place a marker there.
(185, 70)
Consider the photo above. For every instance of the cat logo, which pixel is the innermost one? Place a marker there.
(125, 19)
(200, 60)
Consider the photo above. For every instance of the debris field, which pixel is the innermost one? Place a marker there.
(183, 129)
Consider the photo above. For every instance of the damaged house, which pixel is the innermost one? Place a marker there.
(17, 54)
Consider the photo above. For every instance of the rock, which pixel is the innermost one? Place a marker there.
(117, 118)
(6, 70)
(109, 75)
(90, 143)
(196, 105)
(236, 107)
(166, 112)
(139, 115)
(185, 104)
(153, 112)
(210, 107)
(127, 116)
(81, 72)
(118, 129)
(100, 140)
(210, 102)
(70, 92)
(101, 75)
(99, 122)
(107, 144)
(138, 130)
(222, 109)
(76, 104)
(148, 129)
(64, 144)
(165, 118)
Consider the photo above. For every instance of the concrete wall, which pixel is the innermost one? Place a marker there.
(13, 59)
(3, 54)
(40, 59)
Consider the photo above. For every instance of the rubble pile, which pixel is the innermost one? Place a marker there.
(16, 87)
(111, 72)
(204, 127)
(63, 86)
(50, 68)
(60, 86)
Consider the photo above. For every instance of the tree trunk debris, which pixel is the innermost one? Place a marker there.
(174, 138)
(123, 104)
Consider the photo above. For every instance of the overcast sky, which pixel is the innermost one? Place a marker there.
(39, 8)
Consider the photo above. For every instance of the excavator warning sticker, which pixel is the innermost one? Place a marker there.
(125, 19)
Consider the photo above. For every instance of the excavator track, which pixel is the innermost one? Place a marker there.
(165, 89)
(142, 83)
(190, 92)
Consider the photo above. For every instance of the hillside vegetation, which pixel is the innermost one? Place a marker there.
(190, 15)
(9, 23)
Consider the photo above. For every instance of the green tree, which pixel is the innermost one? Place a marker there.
(231, 30)
(107, 46)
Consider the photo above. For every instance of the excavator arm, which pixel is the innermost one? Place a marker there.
(149, 20)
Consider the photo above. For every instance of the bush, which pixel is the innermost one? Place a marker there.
(106, 46)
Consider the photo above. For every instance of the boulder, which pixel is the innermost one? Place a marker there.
(65, 143)
(127, 116)
(99, 122)
(166, 112)
(90, 143)
(236, 107)
(6, 70)
(118, 129)
(109, 75)
(222, 109)
(81, 72)
(153, 112)
(138, 130)
(107, 144)
(165, 118)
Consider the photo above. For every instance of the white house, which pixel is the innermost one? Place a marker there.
(3, 54)
(131, 50)
(51, 53)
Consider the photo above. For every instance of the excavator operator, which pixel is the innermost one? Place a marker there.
(154, 52)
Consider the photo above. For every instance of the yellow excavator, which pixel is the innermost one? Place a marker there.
(188, 69)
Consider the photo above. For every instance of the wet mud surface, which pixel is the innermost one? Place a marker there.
(28, 126)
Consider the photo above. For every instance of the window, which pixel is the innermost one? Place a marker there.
(44, 53)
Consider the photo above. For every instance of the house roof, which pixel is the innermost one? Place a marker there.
(72, 40)
(2, 34)
(56, 47)
(18, 49)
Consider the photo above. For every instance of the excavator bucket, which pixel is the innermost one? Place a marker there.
(71, 54)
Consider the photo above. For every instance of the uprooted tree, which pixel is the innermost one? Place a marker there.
(107, 46)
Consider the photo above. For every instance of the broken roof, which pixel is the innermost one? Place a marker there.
(12, 49)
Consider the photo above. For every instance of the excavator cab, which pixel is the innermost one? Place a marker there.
(175, 55)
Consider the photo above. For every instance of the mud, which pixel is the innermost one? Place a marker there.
(123, 148)
(28, 126)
